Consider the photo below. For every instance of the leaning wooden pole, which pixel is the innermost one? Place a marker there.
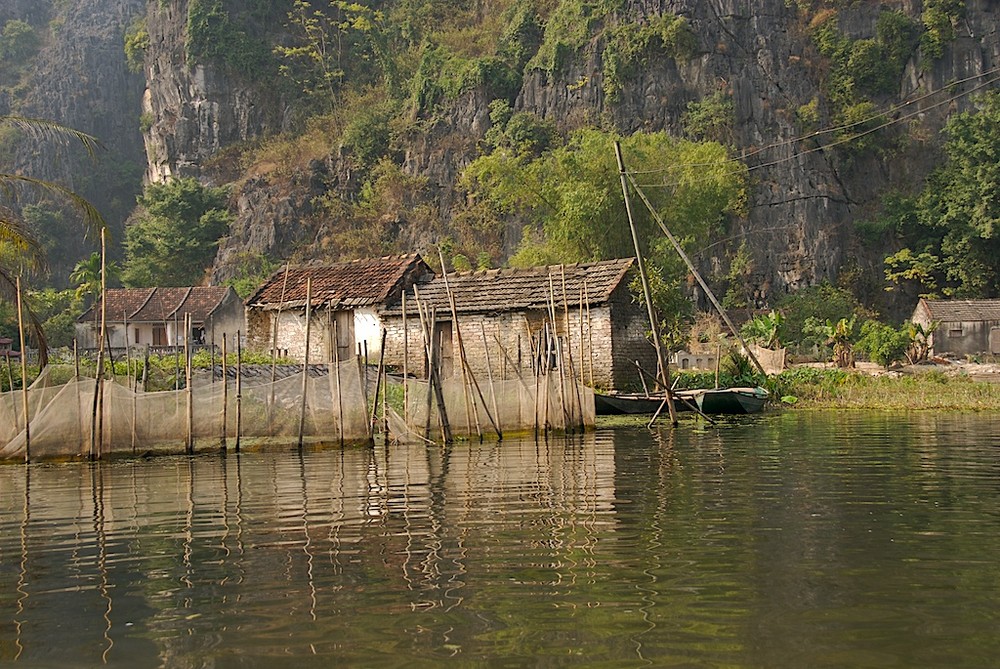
(697, 275)
(378, 382)
(24, 372)
(646, 292)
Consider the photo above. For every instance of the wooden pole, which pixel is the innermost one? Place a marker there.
(212, 344)
(96, 436)
(647, 293)
(188, 396)
(24, 371)
(489, 376)
(340, 399)
(177, 357)
(225, 394)
(378, 382)
(133, 381)
(10, 375)
(691, 268)
(239, 388)
(470, 410)
(305, 361)
(406, 365)
(590, 334)
(363, 377)
(274, 344)
(145, 370)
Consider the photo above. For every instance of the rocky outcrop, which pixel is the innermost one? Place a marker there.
(804, 200)
(196, 109)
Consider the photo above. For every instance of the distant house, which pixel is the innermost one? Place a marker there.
(155, 316)
(502, 316)
(965, 327)
(345, 306)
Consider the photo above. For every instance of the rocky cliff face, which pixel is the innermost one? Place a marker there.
(196, 108)
(79, 79)
(804, 201)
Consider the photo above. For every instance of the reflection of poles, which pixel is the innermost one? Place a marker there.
(97, 487)
(22, 574)
(24, 372)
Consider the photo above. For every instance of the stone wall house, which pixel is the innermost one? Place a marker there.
(155, 316)
(965, 327)
(502, 315)
(346, 299)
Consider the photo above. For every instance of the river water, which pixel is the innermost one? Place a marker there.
(795, 539)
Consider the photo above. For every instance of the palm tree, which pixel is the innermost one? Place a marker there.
(14, 232)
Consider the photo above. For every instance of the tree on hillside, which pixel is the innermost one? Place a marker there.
(568, 197)
(173, 238)
(951, 231)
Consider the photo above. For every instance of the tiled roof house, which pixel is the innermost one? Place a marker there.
(502, 315)
(346, 300)
(155, 316)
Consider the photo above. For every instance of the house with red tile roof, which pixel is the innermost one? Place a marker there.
(155, 316)
(345, 302)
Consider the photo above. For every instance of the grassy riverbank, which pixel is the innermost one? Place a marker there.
(930, 390)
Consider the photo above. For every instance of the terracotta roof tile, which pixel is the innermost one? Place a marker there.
(153, 305)
(349, 284)
(520, 289)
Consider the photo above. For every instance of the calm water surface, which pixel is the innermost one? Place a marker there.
(790, 540)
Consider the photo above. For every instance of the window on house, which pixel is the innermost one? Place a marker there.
(955, 332)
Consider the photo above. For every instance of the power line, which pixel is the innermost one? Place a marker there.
(838, 142)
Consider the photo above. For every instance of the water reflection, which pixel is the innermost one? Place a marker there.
(793, 540)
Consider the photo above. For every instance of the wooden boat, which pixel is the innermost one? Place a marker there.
(618, 404)
(709, 402)
(731, 400)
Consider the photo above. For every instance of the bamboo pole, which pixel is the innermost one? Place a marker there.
(590, 334)
(239, 388)
(212, 345)
(274, 344)
(24, 371)
(340, 399)
(96, 436)
(489, 376)
(647, 294)
(145, 370)
(10, 375)
(434, 379)
(406, 365)
(177, 357)
(188, 397)
(363, 376)
(470, 409)
(691, 268)
(305, 361)
(378, 382)
(134, 387)
(225, 394)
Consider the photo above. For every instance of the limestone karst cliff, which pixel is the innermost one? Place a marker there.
(799, 226)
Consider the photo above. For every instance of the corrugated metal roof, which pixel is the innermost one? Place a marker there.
(498, 290)
(156, 305)
(350, 284)
(963, 310)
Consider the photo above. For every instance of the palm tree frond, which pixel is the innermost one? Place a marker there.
(92, 218)
(46, 129)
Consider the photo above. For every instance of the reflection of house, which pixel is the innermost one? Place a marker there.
(155, 316)
(965, 327)
(503, 314)
(346, 299)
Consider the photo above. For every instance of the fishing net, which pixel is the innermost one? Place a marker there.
(329, 404)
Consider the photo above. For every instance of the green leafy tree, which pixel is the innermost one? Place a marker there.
(86, 277)
(764, 330)
(951, 231)
(820, 303)
(569, 201)
(174, 237)
(884, 344)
